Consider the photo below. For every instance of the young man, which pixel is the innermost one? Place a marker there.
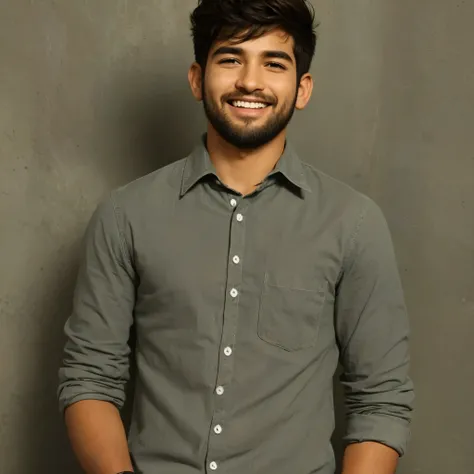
(248, 274)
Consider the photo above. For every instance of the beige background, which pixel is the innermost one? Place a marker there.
(94, 94)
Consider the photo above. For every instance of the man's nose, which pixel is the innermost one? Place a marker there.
(250, 79)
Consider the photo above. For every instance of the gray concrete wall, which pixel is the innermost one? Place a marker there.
(94, 94)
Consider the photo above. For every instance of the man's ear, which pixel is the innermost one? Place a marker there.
(195, 80)
(305, 89)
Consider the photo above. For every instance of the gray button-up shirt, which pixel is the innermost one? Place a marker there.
(243, 307)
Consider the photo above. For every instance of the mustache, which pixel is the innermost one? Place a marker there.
(254, 96)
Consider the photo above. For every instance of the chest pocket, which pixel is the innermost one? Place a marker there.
(290, 317)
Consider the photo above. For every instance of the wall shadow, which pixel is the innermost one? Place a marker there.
(41, 432)
(152, 124)
(152, 131)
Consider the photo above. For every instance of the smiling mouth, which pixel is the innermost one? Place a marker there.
(242, 104)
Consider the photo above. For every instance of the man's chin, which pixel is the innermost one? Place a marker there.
(249, 126)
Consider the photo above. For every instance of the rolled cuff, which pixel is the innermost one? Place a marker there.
(89, 390)
(390, 431)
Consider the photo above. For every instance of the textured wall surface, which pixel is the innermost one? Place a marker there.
(94, 94)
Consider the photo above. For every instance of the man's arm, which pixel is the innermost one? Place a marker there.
(369, 458)
(96, 363)
(373, 331)
(97, 437)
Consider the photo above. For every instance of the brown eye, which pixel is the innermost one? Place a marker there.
(274, 65)
(228, 61)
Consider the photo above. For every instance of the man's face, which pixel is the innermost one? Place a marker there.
(250, 89)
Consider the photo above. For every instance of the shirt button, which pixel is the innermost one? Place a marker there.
(228, 351)
(234, 293)
(218, 429)
(236, 259)
(213, 466)
(220, 390)
(233, 202)
(240, 217)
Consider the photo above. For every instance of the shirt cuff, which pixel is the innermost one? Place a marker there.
(69, 396)
(390, 431)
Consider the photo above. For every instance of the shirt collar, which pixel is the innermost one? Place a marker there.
(292, 168)
(198, 165)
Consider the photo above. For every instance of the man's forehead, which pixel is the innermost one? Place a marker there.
(273, 39)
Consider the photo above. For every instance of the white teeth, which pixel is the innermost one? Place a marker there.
(249, 105)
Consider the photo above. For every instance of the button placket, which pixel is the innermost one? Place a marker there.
(216, 447)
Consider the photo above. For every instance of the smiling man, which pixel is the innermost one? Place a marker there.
(250, 110)
(248, 275)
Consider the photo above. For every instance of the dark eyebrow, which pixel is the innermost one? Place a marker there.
(239, 51)
(278, 55)
(227, 50)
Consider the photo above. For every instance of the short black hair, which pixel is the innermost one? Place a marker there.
(242, 20)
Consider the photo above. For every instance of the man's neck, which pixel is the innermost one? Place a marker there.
(243, 170)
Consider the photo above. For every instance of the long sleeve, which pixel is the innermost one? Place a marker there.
(373, 333)
(96, 354)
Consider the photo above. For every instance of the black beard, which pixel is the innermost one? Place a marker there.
(240, 137)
